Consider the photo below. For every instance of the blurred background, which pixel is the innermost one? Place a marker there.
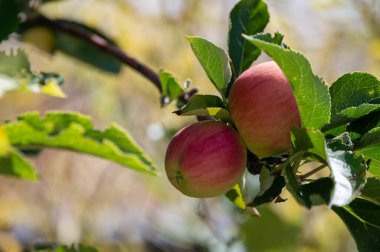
(85, 199)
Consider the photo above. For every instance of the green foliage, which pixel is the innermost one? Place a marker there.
(371, 191)
(214, 61)
(15, 164)
(362, 218)
(311, 92)
(73, 131)
(171, 89)
(352, 90)
(73, 248)
(15, 75)
(205, 105)
(270, 188)
(369, 146)
(247, 17)
(9, 10)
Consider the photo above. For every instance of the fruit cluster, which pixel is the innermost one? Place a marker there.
(208, 158)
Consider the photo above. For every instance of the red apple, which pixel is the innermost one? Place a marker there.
(205, 159)
(264, 109)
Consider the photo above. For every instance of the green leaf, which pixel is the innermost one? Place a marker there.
(5, 146)
(214, 61)
(369, 147)
(347, 170)
(371, 190)
(247, 17)
(171, 89)
(235, 196)
(15, 164)
(73, 131)
(350, 114)
(208, 105)
(15, 75)
(9, 10)
(362, 218)
(310, 141)
(352, 90)
(270, 188)
(310, 91)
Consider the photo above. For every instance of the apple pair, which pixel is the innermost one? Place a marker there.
(208, 158)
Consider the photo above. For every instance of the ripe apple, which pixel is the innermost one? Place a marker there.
(205, 159)
(264, 109)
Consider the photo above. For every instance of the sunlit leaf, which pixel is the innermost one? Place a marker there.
(74, 131)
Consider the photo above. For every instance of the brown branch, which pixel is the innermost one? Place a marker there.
(102, 44)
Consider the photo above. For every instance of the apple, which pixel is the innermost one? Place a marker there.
(264, 109)
(205, 159)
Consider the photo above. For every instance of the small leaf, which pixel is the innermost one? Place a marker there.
(214, 61)
(369, 147)
(362, 218)
(352, 90)
(15, 164)
(171, 89)
(9, 10)
(247, 17)
(208, 105)
(236, 197)
(371, 191)
(270, 188)
(74, 132)
(310, 91)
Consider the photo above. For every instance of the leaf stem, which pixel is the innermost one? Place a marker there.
(312, 172)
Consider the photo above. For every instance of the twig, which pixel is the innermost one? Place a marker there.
(101, 44)
(306, 175)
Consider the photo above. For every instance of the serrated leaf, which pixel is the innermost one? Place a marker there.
(171, 89)
(352, 90)
(235, 196)
(270, 188)
(310, 91)
(362, 218)
(15, 75)
(208, 105)
(247, 17)
(74, 131)
(369, 146)
(348, 172)
(214, 61)
(9, 10)
(15, 164)
(371, 191)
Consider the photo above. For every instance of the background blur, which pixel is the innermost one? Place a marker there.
(83, 198)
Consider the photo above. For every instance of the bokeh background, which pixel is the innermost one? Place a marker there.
(85, 199)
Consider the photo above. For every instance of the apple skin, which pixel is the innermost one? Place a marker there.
(205, 159)
(264, 109)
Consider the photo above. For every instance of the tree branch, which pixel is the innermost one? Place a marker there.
(101, 44)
